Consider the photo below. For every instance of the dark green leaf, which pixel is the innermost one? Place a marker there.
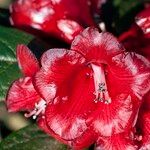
(127, 10)
(9, 38)
(30, 138)
(4, 17)
(119, 14)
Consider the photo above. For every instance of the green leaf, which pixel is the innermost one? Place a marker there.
(118, 15)
(30, 138)
(9, 71)
(126, 11)
(4, 17)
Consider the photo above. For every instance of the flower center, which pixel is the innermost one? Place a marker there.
(101, 91)
(39, 108)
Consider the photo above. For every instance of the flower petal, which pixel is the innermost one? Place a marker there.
(145, 129)
(131, 74)
(143, 122)
(43, 125)
(59, 67)
(68, 29)
(73, 88)
(83, 141)
(143, 20)
(114, 118)
(95, 46)
(116, 142)
(22, 95)
(27, 61)
(45, 16)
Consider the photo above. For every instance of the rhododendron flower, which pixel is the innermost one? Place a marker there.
(143, 20)
(138, 36)
(22, 94)
(91, 93)
(63, 19)
(137, 39)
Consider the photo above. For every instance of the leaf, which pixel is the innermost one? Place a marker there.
(30, 138)
(119, 14)
(9, 71)
(4, 17)
(127, 10)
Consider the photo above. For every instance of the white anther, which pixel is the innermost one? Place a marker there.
(39, 108)
(101, 91)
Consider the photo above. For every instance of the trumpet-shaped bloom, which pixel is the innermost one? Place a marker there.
(91, 93)
(63, 19)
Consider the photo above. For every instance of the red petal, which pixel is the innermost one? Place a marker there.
(27, 61)
(95, 46)
(131, 74)
(85, 140)
(68, 29)
(144, 122)
(43, 125)
(143, 20)
(114, 118)
(44, 15)
(22, 95)
(116, 142)
(135, 40)
(132, 39)
(59, 67)
(73, 98)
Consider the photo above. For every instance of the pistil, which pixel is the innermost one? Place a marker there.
(101, 91)
(39, 108)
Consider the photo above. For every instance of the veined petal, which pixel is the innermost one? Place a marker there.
(73, 97)
(127, 79)
(143, 123)
(83, 141)
(95, 46)
(22, 95)
(68, 29)
(27, 61)
(59, 67)
(116, 142)
(131, 74)
(43, 125)
(58, 18)
(143, 20)
(114, 118)
(72, 110)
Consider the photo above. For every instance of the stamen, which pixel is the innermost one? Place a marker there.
(39, 108)
(138, 137)
(101, 91)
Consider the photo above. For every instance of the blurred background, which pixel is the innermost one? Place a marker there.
(8, 121)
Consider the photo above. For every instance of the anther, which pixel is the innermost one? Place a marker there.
(39, 108)
(101, 91)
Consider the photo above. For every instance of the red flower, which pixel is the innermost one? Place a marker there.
(91, 93)
(22, 94)
(137, 39)
(138, 36)
(143, 20)
(63, 19)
